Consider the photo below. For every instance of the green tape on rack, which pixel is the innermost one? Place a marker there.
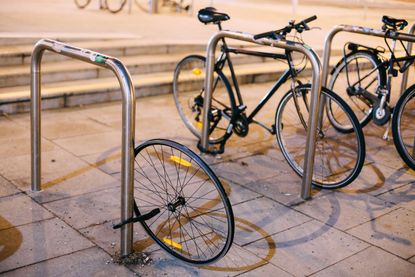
(100, 59)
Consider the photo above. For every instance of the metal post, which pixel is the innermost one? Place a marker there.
(357, 30)
(128, 118)
(404, 82)
(153, 6)
(315, 94)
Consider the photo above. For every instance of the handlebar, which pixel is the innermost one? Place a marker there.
(300, 27)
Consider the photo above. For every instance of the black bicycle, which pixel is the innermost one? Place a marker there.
(339, 156)
(363, 78)
(113, 6)
(181, 203)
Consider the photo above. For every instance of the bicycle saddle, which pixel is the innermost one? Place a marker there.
(394, 23)
(210, 15)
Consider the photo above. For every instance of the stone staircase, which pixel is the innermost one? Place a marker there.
(68, 82)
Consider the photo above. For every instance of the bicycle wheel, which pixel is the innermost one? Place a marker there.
(188, 92)
(82, 3)
(362, 74)
(195, 223)
(115, 6)
(339, 156)
(403, 128)
(145, 5)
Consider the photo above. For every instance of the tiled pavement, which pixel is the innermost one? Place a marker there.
(365, 229)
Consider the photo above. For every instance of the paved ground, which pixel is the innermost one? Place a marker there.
(365, 229)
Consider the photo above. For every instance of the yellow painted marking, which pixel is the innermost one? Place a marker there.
(197, 71)
(199, 124)
(173, 243)
(180, 161)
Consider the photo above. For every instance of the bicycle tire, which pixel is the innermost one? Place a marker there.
(115, 6)
(196, 222)
(403, 129)
(339, 156)
(359, 64)
(82, 3)
(188, 93)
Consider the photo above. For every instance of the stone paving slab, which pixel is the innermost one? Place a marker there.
(19, 209)
(80, 181)
(14, 147)
(6, 188)
(248, 169)
(266, 270)
(393, 232)
(108, 239)
(309, 247)
(375, 179)
(88, 209)
(36, 242)
(236, 261)
(91, 144)
(370, 262)
(89, 262)
(266, 217)
(402, 197)
(55, 165)
(284, 188)
(345, 211)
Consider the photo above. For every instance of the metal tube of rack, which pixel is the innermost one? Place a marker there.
(358, 30)
(315, 94)
(404, 81)
(128, 119)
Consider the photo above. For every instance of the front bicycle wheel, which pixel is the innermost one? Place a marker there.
(115, 6)
(403, 127)
(339, 156)
(195, 222)
(354, 76)
(189, 94)
(82, 3)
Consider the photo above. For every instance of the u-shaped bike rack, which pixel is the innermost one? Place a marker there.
(410, 38)
(128, 120)
(315, 94)
(404, 81)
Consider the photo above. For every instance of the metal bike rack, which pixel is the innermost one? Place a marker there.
(364, 31)
(315, 94)
(404, 81)
(128, 119)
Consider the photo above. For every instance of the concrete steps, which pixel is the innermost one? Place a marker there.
(67, 82)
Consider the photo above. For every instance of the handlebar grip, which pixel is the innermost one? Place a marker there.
(264, 35)
(311, 18)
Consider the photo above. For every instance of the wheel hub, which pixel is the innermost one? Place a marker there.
(172, 206)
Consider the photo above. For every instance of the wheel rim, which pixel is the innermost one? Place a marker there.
(359, 65)
(188, 89)
(337, 155)
(195, 223)
(405, 119)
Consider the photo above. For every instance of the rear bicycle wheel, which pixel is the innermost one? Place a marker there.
(359, 74)
(82, 3)
(195, 222)
(403, 128)
(115, 6)
(339, 156)
(189, 95)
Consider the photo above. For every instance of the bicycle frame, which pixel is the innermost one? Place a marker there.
(226, 58)
(388, 64)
